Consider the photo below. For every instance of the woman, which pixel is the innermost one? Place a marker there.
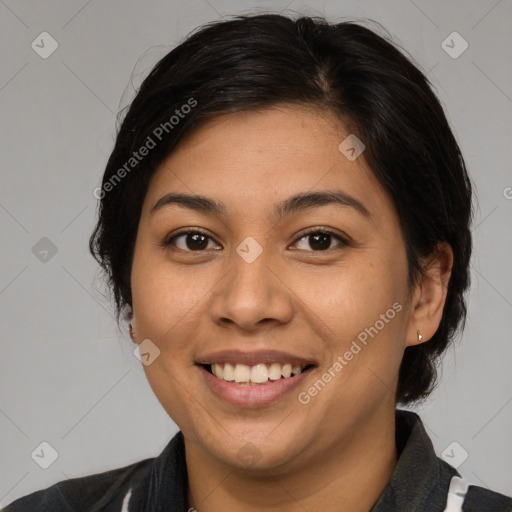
(285, 221)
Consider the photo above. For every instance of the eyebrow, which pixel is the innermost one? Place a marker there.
(296, 203)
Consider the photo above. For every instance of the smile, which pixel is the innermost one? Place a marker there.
(249, 394)
(258, 374)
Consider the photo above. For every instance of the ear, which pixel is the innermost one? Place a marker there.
(133, 332)
(132, 325)
(429, 295)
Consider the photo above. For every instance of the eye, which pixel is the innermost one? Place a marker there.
(317, 239)
(195, 241)
(320, 240)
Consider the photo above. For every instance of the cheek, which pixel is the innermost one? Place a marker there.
(361, 310)
(352, 297)
(165, 305)
(166, 298)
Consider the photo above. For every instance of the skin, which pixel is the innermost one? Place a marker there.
(338, 451)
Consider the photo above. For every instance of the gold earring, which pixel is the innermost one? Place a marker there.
(420, 337)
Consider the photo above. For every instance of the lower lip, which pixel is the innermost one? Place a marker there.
(253, 396)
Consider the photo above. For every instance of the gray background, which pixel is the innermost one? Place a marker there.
(68, 376)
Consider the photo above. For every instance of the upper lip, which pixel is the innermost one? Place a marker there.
(253, 358)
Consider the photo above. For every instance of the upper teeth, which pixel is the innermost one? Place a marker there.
(257, 374)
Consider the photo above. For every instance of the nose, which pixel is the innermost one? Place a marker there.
(252, 294)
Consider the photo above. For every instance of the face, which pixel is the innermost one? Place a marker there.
(252, 284)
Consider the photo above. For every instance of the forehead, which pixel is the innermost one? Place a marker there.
(278, 131)
(255, 159)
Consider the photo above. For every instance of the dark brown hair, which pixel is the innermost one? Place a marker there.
(253, 62)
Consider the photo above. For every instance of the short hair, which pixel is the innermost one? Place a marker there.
(254, 62)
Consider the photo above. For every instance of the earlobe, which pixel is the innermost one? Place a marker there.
(133, 334)
(128, 316)
(430, 295)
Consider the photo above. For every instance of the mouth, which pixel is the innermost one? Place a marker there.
(259, 374)
(258, 378)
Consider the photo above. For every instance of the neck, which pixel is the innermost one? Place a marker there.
(349, 475)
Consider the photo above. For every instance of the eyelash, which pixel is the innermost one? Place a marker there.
(310, 231)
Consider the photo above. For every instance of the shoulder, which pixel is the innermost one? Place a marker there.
(479, 499)
(436, 483)
(472, 498)
(135, 487)
(85, 493)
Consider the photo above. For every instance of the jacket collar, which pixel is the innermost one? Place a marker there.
(419, 482)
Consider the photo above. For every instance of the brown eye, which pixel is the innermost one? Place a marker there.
(320, 240)
(194, 241)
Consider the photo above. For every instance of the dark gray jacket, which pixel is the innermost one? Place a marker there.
(419, 483)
